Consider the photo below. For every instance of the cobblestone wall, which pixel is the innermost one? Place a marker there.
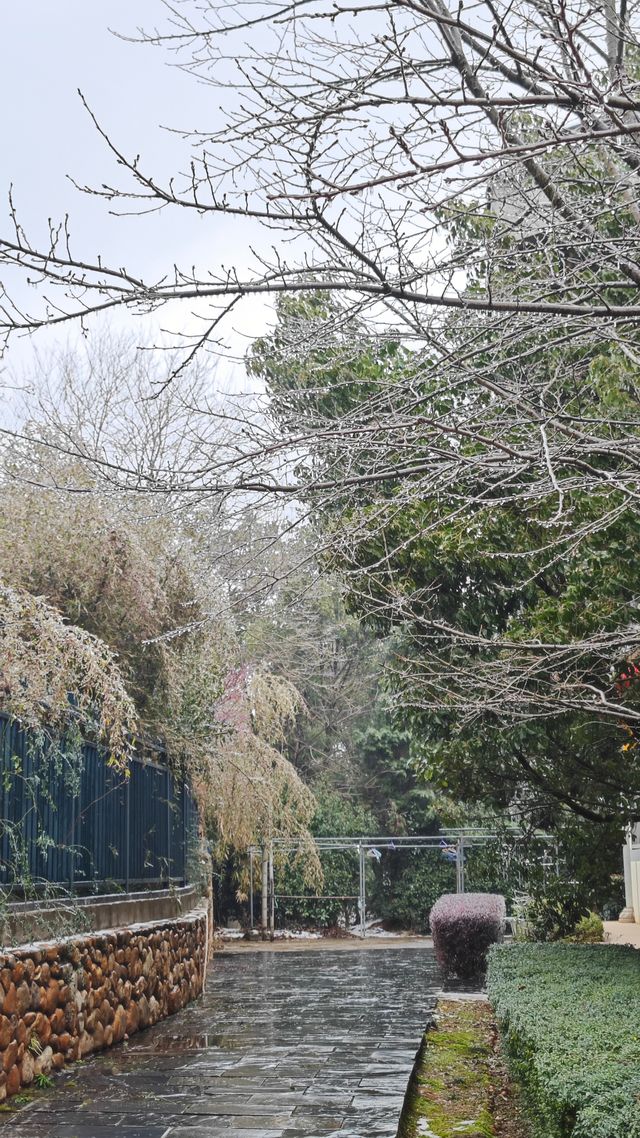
(61, 1001)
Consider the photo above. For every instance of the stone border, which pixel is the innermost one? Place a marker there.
(62, 1000)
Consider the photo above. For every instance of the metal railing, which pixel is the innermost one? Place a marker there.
(72, 821)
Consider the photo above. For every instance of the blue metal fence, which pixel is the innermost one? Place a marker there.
(73, 821)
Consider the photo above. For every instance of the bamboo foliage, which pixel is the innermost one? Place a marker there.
(255, 793)
(52, 673)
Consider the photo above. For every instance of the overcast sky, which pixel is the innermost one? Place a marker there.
(51, 50)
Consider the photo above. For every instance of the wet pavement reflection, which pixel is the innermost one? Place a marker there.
(281, 1045)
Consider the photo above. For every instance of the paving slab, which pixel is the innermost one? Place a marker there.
(280, 1045)
(622, 932)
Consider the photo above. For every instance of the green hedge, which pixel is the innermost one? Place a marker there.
(569, 1017)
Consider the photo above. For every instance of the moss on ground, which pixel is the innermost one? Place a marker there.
(457, 1088)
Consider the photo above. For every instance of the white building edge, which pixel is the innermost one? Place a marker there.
(631, 857)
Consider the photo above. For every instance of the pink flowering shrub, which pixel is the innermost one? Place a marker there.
(463, 926)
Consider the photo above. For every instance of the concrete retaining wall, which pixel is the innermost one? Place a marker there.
(62, 1000)
(24, 921)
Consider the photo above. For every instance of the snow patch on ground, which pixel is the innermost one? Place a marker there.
(280, 934)
(373, 929)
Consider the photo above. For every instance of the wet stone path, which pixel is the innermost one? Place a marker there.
(281, 1045)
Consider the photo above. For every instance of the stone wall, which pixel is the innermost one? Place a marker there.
(63, 1000)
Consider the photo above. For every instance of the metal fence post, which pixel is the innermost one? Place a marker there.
(168, 810)
(127, 834)
(264, 899)
(362, 900)
(272, 895)
(185, 836)
(460, 865)
(72, 860)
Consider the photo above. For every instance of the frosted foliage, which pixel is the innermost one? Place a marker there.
(274, 702)
(137, 577)
(43, 659)
(464, 926)
(113, 571)
(255, 793)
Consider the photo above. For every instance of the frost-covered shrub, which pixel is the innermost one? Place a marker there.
(463, 926)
